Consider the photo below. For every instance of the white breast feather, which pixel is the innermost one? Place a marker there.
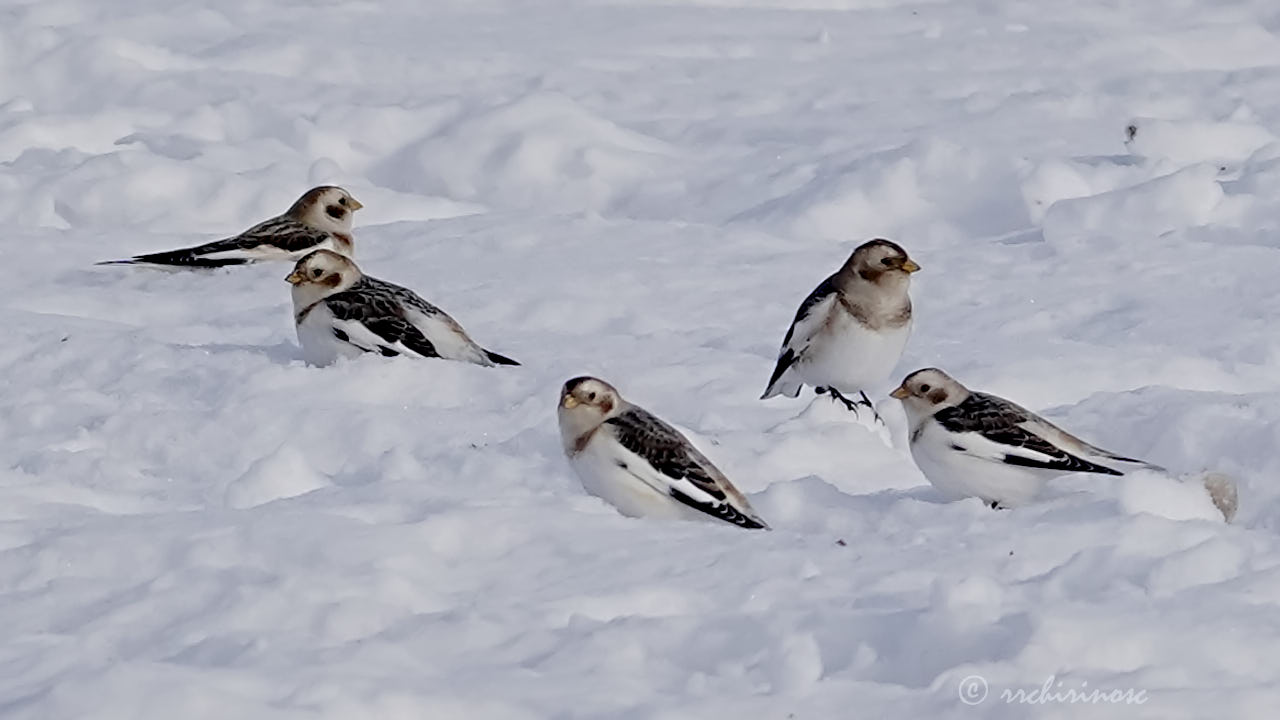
(315, 335)
(851, 357)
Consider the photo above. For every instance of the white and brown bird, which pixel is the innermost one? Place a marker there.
(341, 312)
(320, 219)
(849, 333)
(641, 465)
(971, 444)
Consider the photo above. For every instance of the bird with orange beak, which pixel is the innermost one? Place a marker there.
(341, 312)
(971, 444)
(849, 334)
(320, 219)
(642, 466)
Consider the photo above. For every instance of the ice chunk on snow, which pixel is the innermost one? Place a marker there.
(1222, 491)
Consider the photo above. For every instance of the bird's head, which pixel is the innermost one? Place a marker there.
(585, 403)
(327, 208)
(322, 273)
(925, 392)
(879, 261)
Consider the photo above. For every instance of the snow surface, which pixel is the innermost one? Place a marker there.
(195, 524)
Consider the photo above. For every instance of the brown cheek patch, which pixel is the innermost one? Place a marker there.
(332, 280)
(937, 396)
(606, 405)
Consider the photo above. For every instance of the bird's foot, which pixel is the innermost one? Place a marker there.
(853, 405)
(849, 405)
(867, 401)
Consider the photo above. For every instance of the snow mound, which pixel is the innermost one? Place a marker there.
(1186, 142)
(1159, 494)
(1183, 199)
(1049, 181)
(1218, 46)
(283, 474)
(542, 149)
(897, 193)
(195, 524)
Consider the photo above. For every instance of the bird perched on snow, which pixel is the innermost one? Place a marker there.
(849, 333)
(971, 444)
(341, 312)
(641, 465)
(321, 218)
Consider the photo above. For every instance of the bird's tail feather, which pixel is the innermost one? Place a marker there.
(786, 384)
(1128, 464)
(180, 258)
(499, 359)
(783, 381)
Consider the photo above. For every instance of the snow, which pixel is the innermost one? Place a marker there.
(194, 523)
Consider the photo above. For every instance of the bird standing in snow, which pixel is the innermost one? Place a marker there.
(321, 218)
(341, 312)
(971, 444)
(849, 333)
(641, 465)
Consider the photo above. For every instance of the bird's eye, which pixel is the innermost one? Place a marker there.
(591, 397)
(924, 388)
(317, 272)
(342, 201)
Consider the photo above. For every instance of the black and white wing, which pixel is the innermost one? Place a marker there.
(659, 456)
(374, 320)
(378, 316)
(995, 429)
(809, 318)
(280, 238)
(451, 341)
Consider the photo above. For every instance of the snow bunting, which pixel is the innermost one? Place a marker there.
(321, 218)
(971, 444)
(849, 333)
(341, 312)
(641, 465)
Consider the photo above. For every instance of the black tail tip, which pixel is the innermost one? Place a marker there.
(177, 260)
(500, 359)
